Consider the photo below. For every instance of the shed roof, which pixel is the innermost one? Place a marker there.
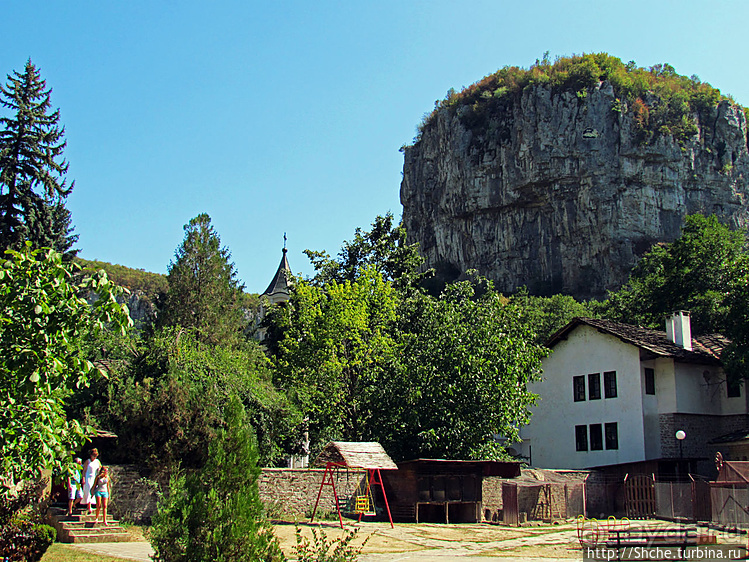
(734, 471)
(356, 454)
(706, 349)
(505, 469)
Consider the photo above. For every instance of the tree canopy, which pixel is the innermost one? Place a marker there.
(32, 168)
(43, 322)
(695, 272)
(204, 291)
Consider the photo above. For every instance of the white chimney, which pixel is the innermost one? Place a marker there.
(679, 329)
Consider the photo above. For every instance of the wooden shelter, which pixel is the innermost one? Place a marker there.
(441, 490)
(369, 457)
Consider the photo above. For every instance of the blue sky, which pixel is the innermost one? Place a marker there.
(288, 116)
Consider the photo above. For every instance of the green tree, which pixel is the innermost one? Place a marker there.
(32, 169)
(695, 273)
(166, 402)
(336, 342)
(384, 247)
(546, 315)
(43, 323)
(204, 292)
(736, 356)
(464, 364)
(215, 514)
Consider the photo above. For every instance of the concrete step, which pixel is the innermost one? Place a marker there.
(82, 528)
(110, 537)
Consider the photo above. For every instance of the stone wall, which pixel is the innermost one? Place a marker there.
(135, 493)
(288, 494)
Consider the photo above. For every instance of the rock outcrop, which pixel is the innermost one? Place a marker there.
(558, 192)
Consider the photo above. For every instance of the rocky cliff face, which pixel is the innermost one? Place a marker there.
(557, 191)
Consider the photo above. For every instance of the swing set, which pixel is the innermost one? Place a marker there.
(358, 457)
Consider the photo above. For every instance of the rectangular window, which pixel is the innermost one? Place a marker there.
(609, 384)
(596, 437)
(594, 386)
(581, 437)
(578, 384)
(733, 387)
(612, 436)
(649, 381)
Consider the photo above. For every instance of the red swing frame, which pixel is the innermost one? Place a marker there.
(374, 477)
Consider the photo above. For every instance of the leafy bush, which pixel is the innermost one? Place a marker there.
(323, 549)
(22, 536)
(672, 99)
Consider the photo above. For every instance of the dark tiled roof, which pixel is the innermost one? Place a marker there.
(705, 349)
(742, 435)
(280, 283)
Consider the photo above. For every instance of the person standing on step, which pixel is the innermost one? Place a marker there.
(101, 493)
(75, 493)
(90, 470)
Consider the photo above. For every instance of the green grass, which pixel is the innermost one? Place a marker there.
(59, 552)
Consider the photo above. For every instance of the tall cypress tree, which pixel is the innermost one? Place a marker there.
(32, 169)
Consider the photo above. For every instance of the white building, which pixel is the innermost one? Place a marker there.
(613, 394)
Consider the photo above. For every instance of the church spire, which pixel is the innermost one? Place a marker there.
(278, 290)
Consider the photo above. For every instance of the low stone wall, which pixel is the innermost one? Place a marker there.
(290, 493)
(135, 493)
(286, 492)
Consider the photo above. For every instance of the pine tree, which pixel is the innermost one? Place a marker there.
(215, 514)
(204, 292)
(32, 168)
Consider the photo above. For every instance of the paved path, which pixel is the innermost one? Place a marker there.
(139, 550)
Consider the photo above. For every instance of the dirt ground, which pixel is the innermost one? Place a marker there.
(427, 541)
(549, 541)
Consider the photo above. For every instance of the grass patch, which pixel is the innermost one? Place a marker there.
(59, 552)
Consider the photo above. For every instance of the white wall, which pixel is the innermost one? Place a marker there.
(551, 433)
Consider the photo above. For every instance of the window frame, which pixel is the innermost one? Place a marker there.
(581, 438)
(578, 388)
(596, 437)
(609, 390)
(649, 381)
(594, 386)
(611, 432)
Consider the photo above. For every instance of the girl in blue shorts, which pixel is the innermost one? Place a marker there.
(101, 489)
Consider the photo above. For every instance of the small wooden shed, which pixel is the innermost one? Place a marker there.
(441, 490)
(356, 455)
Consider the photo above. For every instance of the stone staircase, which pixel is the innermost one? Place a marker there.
(80, 527)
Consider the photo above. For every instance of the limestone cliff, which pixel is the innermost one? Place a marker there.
(560, 191)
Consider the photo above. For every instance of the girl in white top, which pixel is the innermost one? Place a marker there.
(90, 470)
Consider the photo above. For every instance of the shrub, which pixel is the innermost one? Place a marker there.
(215, 514)
(22, 536)
(323, 549)
(679, 97)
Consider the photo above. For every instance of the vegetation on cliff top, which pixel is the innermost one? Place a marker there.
(661, 101)
(134, 279)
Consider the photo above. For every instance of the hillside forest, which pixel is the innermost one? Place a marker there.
(369, 348)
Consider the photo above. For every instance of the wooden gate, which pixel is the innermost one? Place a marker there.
(702, 500)
(510, 504)
(639, 496)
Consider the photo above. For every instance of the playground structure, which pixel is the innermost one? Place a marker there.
(366, 458)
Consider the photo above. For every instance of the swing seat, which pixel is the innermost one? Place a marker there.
(361, 504)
